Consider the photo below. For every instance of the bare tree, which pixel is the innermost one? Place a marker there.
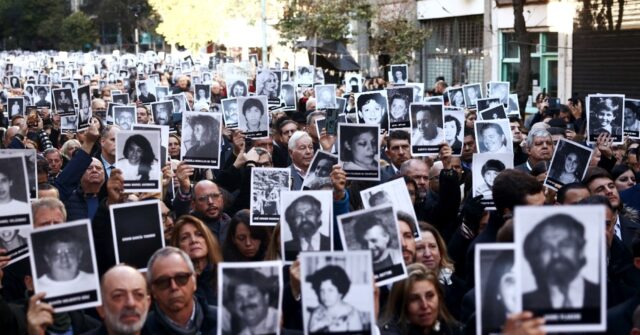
(523, 86)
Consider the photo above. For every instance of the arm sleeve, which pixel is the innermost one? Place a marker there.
(69, 179)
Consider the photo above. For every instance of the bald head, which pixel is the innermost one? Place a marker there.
(417, 170)
(125, 300)
(207, 199)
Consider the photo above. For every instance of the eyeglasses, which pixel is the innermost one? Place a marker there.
(206, 197)
(168, 215)
(181, 279)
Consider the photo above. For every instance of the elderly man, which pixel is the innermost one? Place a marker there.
(48, 211)
(285, 128)
(540, 146)
(304, 218)
(54, 158)
(108, 148)
(172, 279)
(142, 115)
(301, 152)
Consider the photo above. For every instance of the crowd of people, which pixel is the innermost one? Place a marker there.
(206, 214)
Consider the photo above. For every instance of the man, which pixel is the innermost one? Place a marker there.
(468, 149)
(417, 170)
(374, 234)
(216, 92)
(63, 257)
(604, 113)
(46, 190)
(285, 128)
(492, 138)
(142, 114)
(99, 108)
(406, 225)
(571, 194)
(631, 122)
(54, 158)
(145, 96)
(398, 151)
(426, 131)
(312, 129)
(125, 302)
(108, 148)
(540, 146)
(624, 318)
(600, 182)
(301, 153)
(249, 304)
(172, 280)
(160, 114)
(554, 250)
(48, 211)
(8, 204)
(125, 119)
(304, 218)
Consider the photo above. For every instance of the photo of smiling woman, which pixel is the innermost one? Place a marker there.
(372, 109)
(201, 138)
(268, 84)
(254, 118)
(137, 155)
(358, 151)
(568, 164)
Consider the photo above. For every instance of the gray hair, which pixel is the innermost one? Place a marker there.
(313, 115)
(299, 134)
(49, 203)
(166, 252)
(406, 165)
(537, 133)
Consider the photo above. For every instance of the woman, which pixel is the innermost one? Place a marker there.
(245, 243)
(192, 236)
(415, 306)
(267, 84)
(333, 314)
(570, 163)
(238, 89)
(623, 177)
(174, 146)
(452, 128)
(360, 150)
(139, 162)
(499, 296)
(69, 148)
(432, 252)
(203, 136)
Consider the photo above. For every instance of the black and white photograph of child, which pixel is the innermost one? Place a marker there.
(605, 115)
(472, 92)
(358, 151)
(372, 108)
(486, 168)
(399, 99)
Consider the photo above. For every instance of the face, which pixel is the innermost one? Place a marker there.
(468, 148)
(231, 111)
(423, 120)
(420, 174)
(238, 91)
(450, 131)
(250, 304)
(245, 242)
(625, 181)
(408, 242)
(302, 154)
(571, 163)
(629, 117)
(125, 301)
(192, 241)
(398, 108)
(489, 176)
(174, 147)
(399, 151)
(377, 241)
(47, 216)
(162, 116)
(329, 294)
(458, 99)
(307, 219)
(173, 298)
(560, 254)
(271, 83)
(398, 75)
(605, 187)
(363, 148)
(55, 162)
(507, 291)
(8, 235)
(143, 116)
(94, 173)
(134, 154)
(125, 119)
(542, 148)
(167, 221)
(208, 200)
(143, 89)
(492, 139)
(63, 259)
(428, 251)
(423, 304)
(412, 192)
(108, 143)
(198, 131)
(372, 112)
(605, 117)
(253, 115)
(573, 196)
(324, 168)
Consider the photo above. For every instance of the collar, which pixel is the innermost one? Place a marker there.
(105, 162)
(575, 293)
(191, 321)
(300, 171)
(315, 243)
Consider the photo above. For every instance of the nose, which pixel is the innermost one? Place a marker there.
(131, 301)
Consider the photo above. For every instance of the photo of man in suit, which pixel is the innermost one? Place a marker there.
(555, 251)
(304, 218)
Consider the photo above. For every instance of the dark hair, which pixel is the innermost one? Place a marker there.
(597, 200)
(209, 125)
(596, 173)
(562, 192)
(333, 273)
(366, 222)
(375, 96)
(493, 305)
(147, 154)
(449, 118)
(252, 102)
(398, 135)
(290, 213)
(492, 164)
(404, 216)
(349, 136)
(236, 84)
(511, 187)
(494, 126)
(382, 194)
(231, 252)
(618, 170)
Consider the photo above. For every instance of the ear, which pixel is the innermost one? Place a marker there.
(100, 310)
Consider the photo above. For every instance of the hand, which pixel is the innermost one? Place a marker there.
(339, 181)
(603, 143)
(115, 188)
(326, 140)
(91, 136)
(238, 139)
(39, 315)
(294, 275)
(184, 173)
(445, 155)
(523, 324)
(167, 175)
(4, 260)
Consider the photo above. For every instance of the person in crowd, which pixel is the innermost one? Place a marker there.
(301, 153)
(540, 148)
(245, 243)
(142, 115)
(398, 151)
(624, 177)
(174, 146)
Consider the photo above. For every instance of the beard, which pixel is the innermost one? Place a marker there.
(125, 329)
(561, 271)
(306, 229)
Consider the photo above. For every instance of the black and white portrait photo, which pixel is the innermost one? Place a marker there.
(375, 229)
(325, 96)
(496, 291)
(427, 134)
(358, 150)
(472, 92)
(124, 116)
(43, 96)
(493, 113)
(14, 241)
(84, 107)
(201, 97)
(16, 106)
(306, 222)
(456, 97)
(230, 112)
(15, 82)
(268, 85)
(372, 108)
(393, 192)
(249, 298)
(162, 92)
(486, 167)
(122, 98)
(253, 116)
(201, 138)
(266, 185)
(288, 94)
(336, 292)
(144, 89)
(568, 165)
(499, 90)
(135, 240)
(632, 118)
(453, 128)
(179, 103)
(561, 264)
(63, 264)
(238, 87)
(514, 107)
(353, 83)
(30, 159)
(483, 104)
(69, 123)
(162, 112)
(493, 136)
(305, 75)
(110, 106)
(63, 101)
(605, 115)
(138, 156)
(399, 98)
(317, 177)
(399, 74)
(15, 211)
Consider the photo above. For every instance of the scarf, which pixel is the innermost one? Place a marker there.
(193, 328)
